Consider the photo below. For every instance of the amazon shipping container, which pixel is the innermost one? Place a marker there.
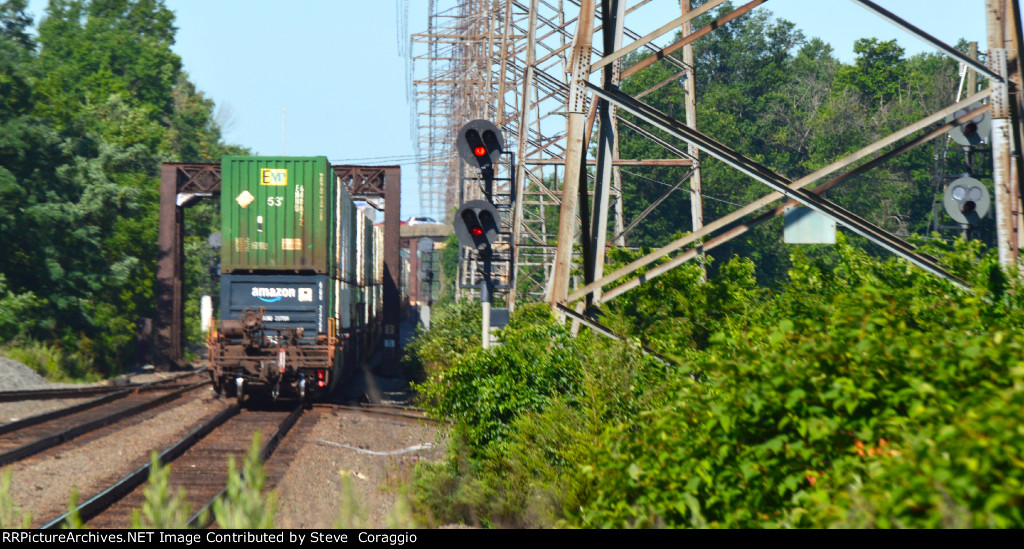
(288, 301)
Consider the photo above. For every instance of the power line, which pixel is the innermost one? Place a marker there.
(691, 191)
(406, 159)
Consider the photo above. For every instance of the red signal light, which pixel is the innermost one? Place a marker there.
(480, 151)
(477, 231)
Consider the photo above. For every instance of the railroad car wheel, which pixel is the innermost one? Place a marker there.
(218, 387)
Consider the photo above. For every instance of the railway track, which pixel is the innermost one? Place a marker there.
(23, 438)
(83, 392)
(382, 409)
(199, 464)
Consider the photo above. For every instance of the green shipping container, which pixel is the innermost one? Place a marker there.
(277, 214)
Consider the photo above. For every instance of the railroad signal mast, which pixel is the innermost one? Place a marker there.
(965, 199)
(479, 223)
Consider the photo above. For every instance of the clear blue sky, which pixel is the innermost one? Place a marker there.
(336, 67)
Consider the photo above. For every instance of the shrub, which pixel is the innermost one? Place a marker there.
(244, 504)
(953, 470)
(50, 361)
(10, 515)
(877, 359)
(864, 393)
(486, 389)
(161, 509)
(526, 415)
(454, 331)
(17, 312)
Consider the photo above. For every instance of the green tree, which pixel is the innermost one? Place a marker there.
(84, 123)
(17, 50)
(880, 72)
(93, 50)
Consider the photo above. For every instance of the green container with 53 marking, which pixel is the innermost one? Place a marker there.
(278, 215)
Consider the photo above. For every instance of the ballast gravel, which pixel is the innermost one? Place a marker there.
(42, 484)
(348, 473)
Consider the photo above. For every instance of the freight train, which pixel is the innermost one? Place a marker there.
(301, 279)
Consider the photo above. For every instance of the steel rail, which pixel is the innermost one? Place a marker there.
(96, 504)
(79, 392)
(47, 416)
(383, 410)
(71, 392)
(204, 517)
(55, 439)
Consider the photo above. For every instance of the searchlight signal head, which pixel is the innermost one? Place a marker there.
(480, 144)
(476, 225)
(967, 201)
(972, 132)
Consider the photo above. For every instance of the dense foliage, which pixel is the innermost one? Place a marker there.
(854, 369)
(863, 393)
(88, 111)
(527, 412)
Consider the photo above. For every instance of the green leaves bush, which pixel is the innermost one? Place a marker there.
(526, 414)
(847, 388)
(455, 330)
(244, 505)
(864, 393)
(487, 389)
(163, 508)
(961, 469)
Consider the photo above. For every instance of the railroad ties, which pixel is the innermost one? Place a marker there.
(29, 436)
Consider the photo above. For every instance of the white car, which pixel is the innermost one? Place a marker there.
(422, 221)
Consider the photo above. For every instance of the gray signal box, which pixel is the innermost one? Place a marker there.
(806, 226)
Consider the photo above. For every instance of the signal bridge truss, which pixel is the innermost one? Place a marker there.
(547, 73)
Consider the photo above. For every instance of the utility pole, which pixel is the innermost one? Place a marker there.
(1003, 21)
(574, 153)
(696, 202)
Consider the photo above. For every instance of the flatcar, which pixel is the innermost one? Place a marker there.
(301, 279)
